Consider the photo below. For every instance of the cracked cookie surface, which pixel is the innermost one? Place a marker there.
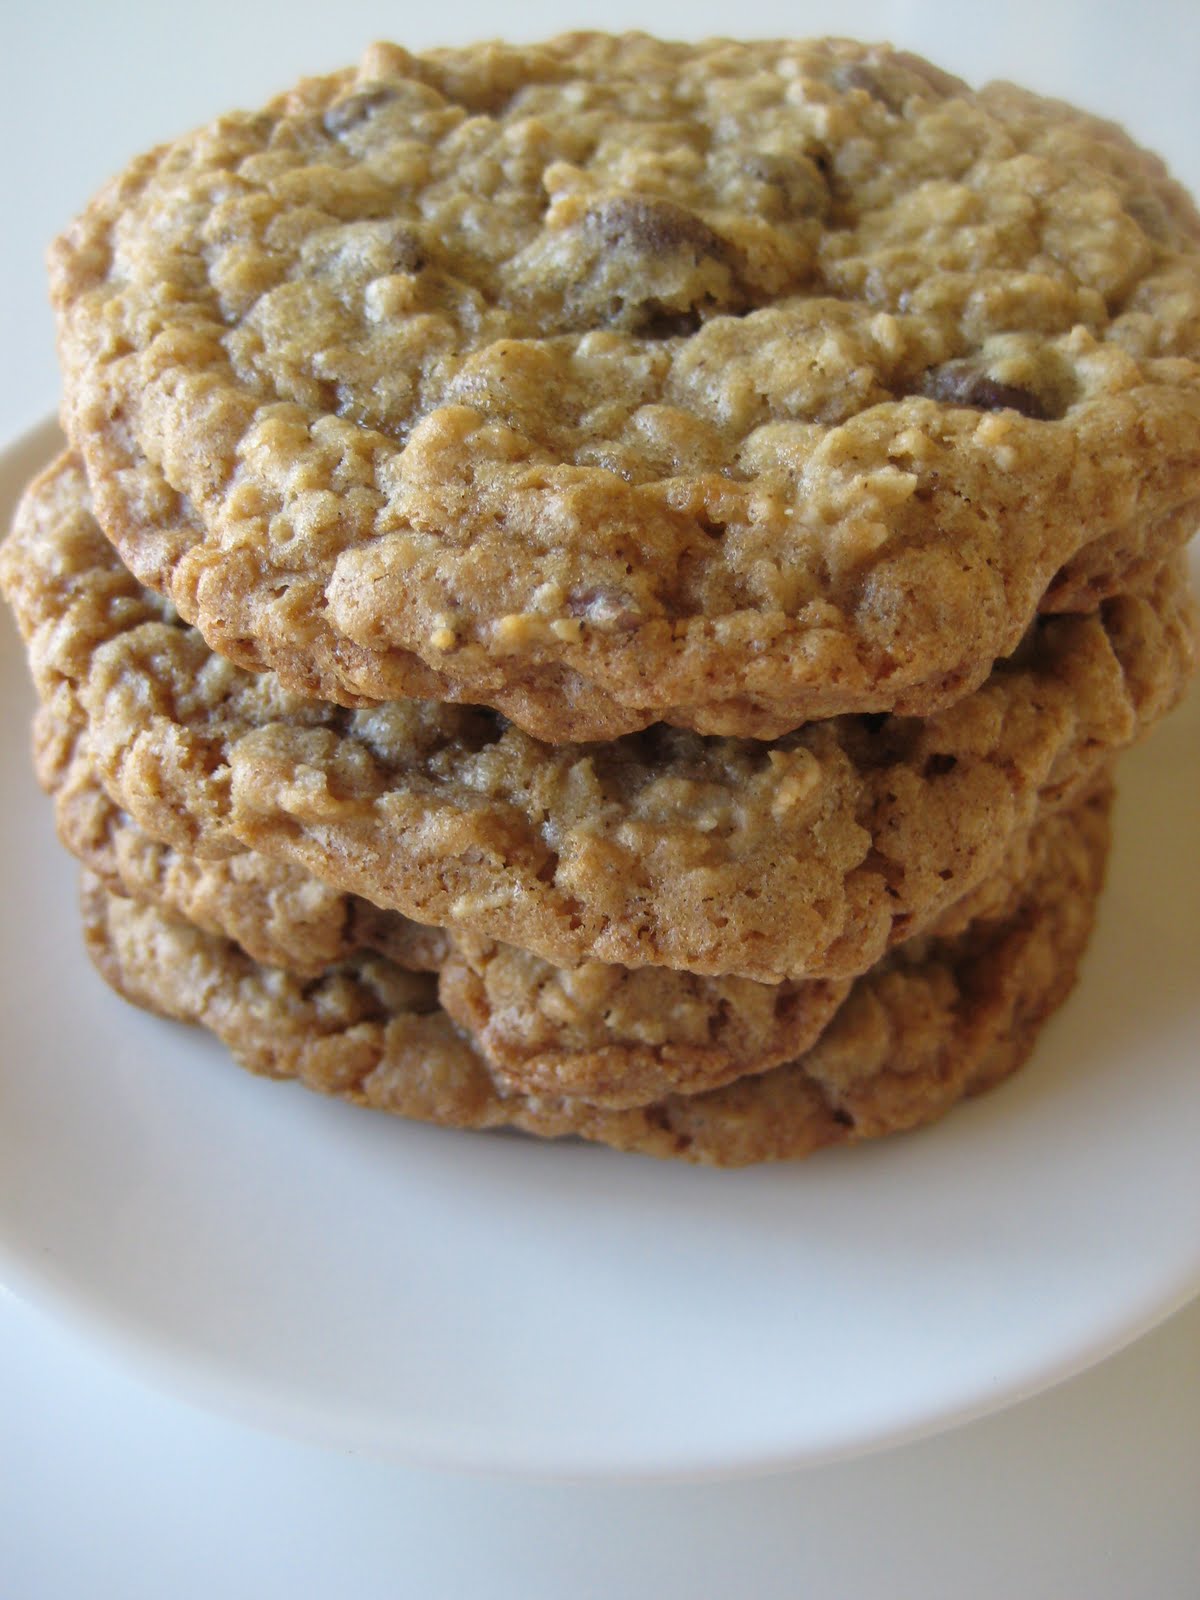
(610, 1035)
(611, 382)
(801, 859)
(937, 1020)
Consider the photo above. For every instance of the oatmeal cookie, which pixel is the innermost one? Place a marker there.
(279, 914)
(620, 1037)
(801, 859)
(937, 1020)
(613, 382)
(613, 1036)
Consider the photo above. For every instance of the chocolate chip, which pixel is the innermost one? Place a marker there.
(938, 764)
(653, 228)
(892, 82)
(650, 267)
(797, 179)
(604, 607)
(548, 870)
(848, 75)
(967, 383)
(942, 83)
(1150, 214)
(483, 727)
(405, 249)
(656, 322)
(354, 109)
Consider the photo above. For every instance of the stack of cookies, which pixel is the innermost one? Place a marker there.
(597, 587)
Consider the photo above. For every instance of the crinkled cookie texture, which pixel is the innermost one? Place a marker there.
(801, 859)
(613, 1036)
(937, 1020)
(611, 382)
(621, 1037)
(279, 914)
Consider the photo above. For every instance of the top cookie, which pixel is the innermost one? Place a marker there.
(612, 381)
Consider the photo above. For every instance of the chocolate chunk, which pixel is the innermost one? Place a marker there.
(653, 268)
(893, 82)
(797, 179)
(653, 228)
(967, 383)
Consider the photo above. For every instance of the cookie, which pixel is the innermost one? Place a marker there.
(801, 859)
(620, 1037)
(279, 914)
(937, 1020)
(614, 1036)
(611, 1035)
(612, 382)
(148, 521)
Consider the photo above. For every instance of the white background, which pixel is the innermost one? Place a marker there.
(109, 1489)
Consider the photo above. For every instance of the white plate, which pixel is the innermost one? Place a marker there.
(493, 1303)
